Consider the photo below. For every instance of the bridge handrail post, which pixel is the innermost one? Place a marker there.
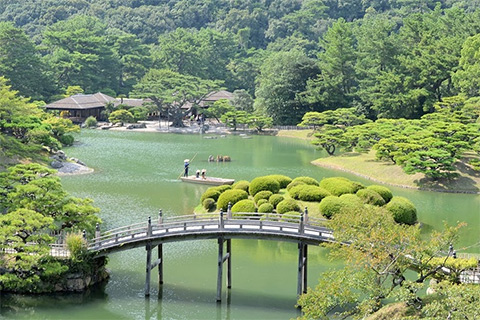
(160, 217)
(229, 211)
(97, 235)
(301, 228)
(220, 219)
(149, 227)
(305, 219)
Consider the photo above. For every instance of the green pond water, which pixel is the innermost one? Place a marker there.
(136, 174)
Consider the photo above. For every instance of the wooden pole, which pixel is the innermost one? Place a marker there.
(160, 265)
(148, 269)
(301, 280)
(305, 261)
(220, 269)
(229, 264)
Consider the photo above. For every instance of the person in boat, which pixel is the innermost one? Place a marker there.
(204, 174)
(186, 163)
(197, 174)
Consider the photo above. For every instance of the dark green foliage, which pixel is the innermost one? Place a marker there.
(245, 205)
(282, 180)
(307, 180)
(263, 184)
(403, 210)
(208, 204)
(275, 199)
(338, 186)
(242, 184)
(66, 139)
(287, 205)
(294, 183)
(371, 197)
(232, 196)
(384, 192)
(265, 208)
(262, 195)
(308, 193)
(213, 193)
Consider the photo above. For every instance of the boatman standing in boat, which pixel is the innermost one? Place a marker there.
(186, 163)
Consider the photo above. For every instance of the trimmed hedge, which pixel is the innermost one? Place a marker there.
(242, 184)
(275, 199)
(263, 183)
(232, 196)
(403, 210)
(308, 193)
(245, 205)
(266, 207)
(371, 197)
(384, 192)
(339, 185)
(212, 193)
(281, 179)
(222, 188)
(287, 205)
(262, 195)
(294, 184)
(307, 180)
(261, 201)
(208, 204)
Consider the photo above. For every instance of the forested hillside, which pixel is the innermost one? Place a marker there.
(386, 58)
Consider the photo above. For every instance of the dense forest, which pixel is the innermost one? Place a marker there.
(385, 58)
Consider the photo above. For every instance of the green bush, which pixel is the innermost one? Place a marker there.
(384, 192)
(293, 216)
(339, 185)
(307, 180)
(371, 197)
(351, 200)
(262, 195)
(242, 184)
(222, 188)
(265, 208)
(212, 193)
(262, 184)
(275, 199)
(245, 205)
(294, 184)
(261, 201)
(403, 210)
(120, 116)
(139, 113)
(91, 122)
(232, 196)
(281, 179)
(208, 204)
(287, 205)
(330, 206)
(66, 139)
(308, 193)
(77, 245)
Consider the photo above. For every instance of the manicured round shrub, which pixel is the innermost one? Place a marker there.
(330, 206)
(287, 205)
(262, 195)
(245, 205)
(222, 188)
(371, 197)
(266, 207)
(210, 193)
(338, 186)
(307, 180)
(403, 210)
(294, 184)
(351, 200)
(275, 199)
(208, 204)
(263, 183)
(384, 192)
(281, 179)
(232, 196)
(242, 184)
(120, 116)
(291, 216)
(261, 201)
(308, 193)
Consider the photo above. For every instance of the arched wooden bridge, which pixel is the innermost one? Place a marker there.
(222, 226)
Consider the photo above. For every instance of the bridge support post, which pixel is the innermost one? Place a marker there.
(229, 263)
(302, 268)
(148, 269)
(160, 264)
(220, 269)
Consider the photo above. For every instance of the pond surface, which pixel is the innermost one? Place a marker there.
(136, 174)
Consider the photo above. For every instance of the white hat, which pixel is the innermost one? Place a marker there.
(186, 160)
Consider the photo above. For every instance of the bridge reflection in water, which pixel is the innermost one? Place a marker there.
(221, 226)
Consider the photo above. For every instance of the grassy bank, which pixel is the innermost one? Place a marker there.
(366, 166)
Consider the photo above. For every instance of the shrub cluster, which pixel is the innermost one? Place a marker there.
(306, 180)
(403, 210)
(294, 184)
(263, 183)
(332, 205)
(307, 192)
(261, 201)
(371, 197)
(208, 204)
(281, 179)
(232, 196)
(245, 205)
(275, 199)
(212, 193)
(384, 192)
(265, 208)
(339, 185)
(242, 184)
(262, 195)
(287, 205)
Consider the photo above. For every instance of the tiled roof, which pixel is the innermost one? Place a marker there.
(217, 95)
(81, 101)
(132, 102)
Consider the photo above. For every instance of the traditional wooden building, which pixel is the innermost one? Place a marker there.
(81, 106)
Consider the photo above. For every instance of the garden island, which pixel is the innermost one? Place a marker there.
(359, 118)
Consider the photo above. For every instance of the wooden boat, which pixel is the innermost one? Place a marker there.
(209, 180)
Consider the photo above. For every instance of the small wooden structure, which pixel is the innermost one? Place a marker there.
(208, 180)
